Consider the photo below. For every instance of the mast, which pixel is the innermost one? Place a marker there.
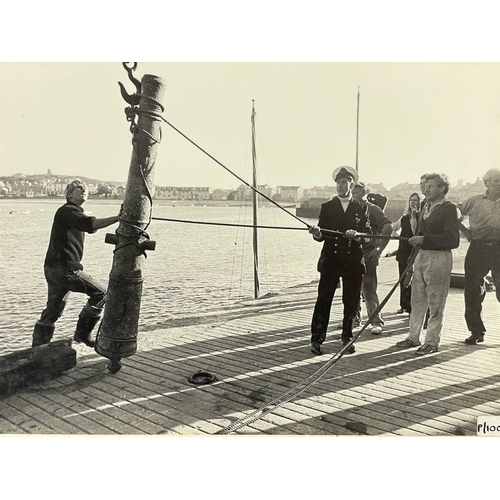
(254, 200)
(357, 134)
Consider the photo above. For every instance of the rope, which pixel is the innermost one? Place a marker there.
(131, 113)
(135, 239)
(229, 224)
(328, 233)
(230, 171)
(299, 388)
(262, 194)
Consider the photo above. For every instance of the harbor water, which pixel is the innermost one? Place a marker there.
(194, 267)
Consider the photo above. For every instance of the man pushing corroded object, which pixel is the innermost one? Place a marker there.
(64, 271)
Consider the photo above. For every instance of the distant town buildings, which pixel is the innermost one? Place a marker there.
(166, 193)
(245, 193)
(320, 192)
(220, 194)
(38, 186)
(290, 193)
(55, 188)
(49, 185)
(194, 193)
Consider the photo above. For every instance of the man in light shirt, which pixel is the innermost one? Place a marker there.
(483, 254)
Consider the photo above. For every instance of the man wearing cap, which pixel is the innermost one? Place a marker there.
(64, 271)
(372, 250)
(483, 254)
(341, 257)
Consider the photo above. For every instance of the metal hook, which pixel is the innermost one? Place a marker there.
(133, 99)
(133, 68)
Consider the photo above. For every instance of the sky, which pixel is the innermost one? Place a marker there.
(414, 118)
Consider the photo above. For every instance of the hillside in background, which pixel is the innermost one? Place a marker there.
(41, 178)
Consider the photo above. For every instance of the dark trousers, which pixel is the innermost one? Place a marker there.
(404, 293)
(60, 283)
(480, 259)
(351, 291)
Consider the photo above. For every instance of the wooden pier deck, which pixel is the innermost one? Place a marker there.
(258, 350)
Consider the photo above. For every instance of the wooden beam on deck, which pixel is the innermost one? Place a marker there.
(26, 367)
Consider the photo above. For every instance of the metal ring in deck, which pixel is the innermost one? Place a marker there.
(202, 378)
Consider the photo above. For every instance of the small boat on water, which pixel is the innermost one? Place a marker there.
(19, 212)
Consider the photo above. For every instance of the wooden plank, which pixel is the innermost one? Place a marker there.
(443, 429)
(50, 407)
(155, 422)
(24, 421)
(240, 389)
(92, 422)
(258, 353)
(38, 413)
(201, 391)
(194, 390)
(21, 369)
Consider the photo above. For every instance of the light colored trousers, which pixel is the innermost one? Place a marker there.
(370, 292)
(429, 289)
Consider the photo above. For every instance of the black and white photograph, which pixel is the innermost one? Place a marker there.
(208, 251)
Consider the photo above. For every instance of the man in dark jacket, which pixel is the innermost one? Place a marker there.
(64, 271)
(341, 256)
(438, 234)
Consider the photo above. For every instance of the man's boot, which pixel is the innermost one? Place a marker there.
(42, 334)
(85, 325)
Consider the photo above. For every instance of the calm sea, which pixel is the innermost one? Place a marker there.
(194, 267)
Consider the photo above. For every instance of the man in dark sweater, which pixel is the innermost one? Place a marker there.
(341, 256)
(64, 271)
(438, 234)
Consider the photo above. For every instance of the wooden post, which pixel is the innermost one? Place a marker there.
(117, 337)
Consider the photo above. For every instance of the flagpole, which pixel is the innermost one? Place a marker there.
(255, 202)
(357, 135)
